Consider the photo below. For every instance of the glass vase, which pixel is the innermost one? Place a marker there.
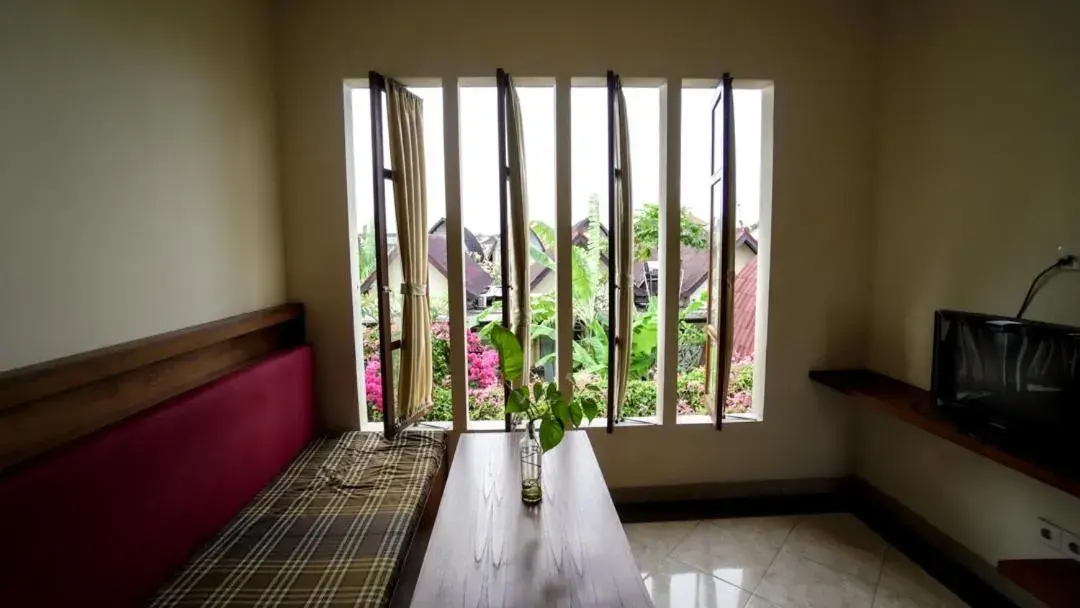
(531, 491)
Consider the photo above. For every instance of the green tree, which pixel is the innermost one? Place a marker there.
(692, 232)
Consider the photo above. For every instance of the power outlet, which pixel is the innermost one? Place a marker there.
(1050, 535)
(1063, 253)
(1070, 544)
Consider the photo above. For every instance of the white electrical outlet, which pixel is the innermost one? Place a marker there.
(1070, 544)
(1049, 534)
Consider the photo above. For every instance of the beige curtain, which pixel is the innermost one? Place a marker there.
(623, 233)
(518, 243)
(406, 126)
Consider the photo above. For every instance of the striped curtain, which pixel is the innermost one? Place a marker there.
(406, 130)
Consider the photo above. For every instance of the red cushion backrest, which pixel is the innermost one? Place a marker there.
(105, 521)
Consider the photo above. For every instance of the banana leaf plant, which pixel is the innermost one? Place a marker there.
(542, 401)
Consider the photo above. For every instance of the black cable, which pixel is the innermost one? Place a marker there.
(1032, 290)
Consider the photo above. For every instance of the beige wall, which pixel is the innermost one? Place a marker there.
(819, 56)
(137, 171)
(977, 184)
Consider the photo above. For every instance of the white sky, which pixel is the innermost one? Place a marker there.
(588, 114)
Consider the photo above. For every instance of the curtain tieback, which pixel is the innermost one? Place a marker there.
(414, 289)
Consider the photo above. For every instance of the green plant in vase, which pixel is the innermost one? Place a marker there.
(542, 402)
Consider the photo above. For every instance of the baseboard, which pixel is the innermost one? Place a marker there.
(954, 565)
(964, 573)
(738, 499)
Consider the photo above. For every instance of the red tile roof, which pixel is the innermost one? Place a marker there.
(745, 310)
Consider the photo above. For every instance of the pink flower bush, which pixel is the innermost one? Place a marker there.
(482, 363)
(484, 368)
(738, 402)
(440, 330)
(486, 403)
(373, 383)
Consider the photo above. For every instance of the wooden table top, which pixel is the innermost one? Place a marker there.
(490, 549)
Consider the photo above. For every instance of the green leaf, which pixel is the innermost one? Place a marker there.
(541, 258)
(518, 402)
(544, 232)
(552, 392)
(538, 331)
(511, 358)
(551, 433)
(576, 413)
(561, 411)
(542, 361)
(590, 408)
(538, 391)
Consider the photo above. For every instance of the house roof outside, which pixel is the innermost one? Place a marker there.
(695, 266)
(537, 271)
(477, 280)
(695, 271)
(745, 310)
(472, 243)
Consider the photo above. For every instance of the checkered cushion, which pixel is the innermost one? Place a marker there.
(331, 530)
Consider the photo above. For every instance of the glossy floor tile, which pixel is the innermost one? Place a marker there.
(653, 542)
(737, 551)
(814, 561)
(673, 584)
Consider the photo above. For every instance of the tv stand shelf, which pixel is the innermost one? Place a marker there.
(914, 406)
(1055, 582)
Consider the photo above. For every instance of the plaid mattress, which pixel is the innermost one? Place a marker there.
(331, 530)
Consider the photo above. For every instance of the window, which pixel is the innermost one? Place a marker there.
(695, 172)
(480, 216)
(482, 265)
(589, 200)
(363, 201)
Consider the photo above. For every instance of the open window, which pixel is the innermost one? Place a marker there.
(590, 110)
(721, 279)
(484, 183)
(752, 101)
(369, 156)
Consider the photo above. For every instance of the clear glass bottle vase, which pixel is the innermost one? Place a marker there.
(531, 491)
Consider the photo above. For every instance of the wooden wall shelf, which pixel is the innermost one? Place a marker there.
(1055, 582)
(915, 406)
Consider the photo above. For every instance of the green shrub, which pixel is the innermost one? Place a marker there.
(440, 361)
(691, 346)
(742, 376)
(690, 390)
(640, 399)
(443, 409)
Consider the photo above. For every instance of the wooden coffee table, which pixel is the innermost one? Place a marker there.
(490, 549)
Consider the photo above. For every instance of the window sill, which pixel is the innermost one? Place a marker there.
(693, 419)
(377, 427)
(491, 426)
(600, 422)
(486, 426)
(498, 426)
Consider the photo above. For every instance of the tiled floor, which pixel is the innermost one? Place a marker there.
(814, 561)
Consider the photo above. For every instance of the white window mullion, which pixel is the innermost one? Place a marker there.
(668, 351)
(564, 319)
(455, 254)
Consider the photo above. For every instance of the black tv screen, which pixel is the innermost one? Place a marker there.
(1020, 377)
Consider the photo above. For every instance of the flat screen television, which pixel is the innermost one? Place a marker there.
(1009, 379)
